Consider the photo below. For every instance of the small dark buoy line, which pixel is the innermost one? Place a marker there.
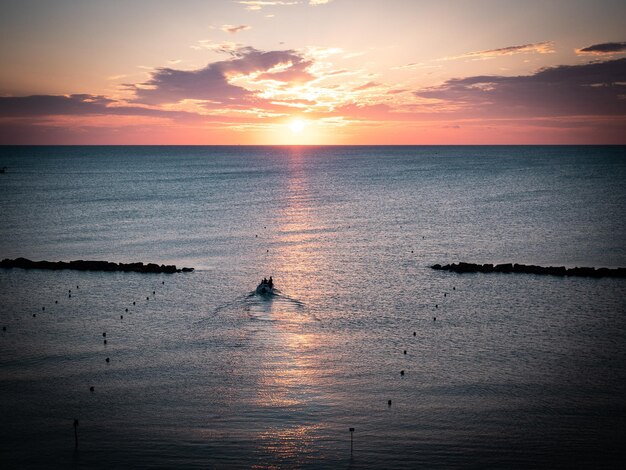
(108, 359)
(405, 351)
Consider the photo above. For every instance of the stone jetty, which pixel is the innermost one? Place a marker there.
(531, 269)
(80, 265)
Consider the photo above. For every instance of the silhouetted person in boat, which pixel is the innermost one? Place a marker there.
(270, 282)
(264, 281)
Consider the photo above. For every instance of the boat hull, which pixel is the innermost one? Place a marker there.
(264, 289)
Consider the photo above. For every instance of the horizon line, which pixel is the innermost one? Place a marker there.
(315, 145)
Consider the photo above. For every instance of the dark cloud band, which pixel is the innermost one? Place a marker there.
(604, 48)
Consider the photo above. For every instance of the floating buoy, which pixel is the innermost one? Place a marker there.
(162, 282)
(401, 372)
(34, 315)
(414, 333)
(107, 359)
(453, 288)
(436, 306)
(91, 389)
(121, 317)
(127, 310)
(405, 351)
(43, 308)
(434, 318)
(4, 328)
(56, 301)
(133, 303)
(147, 298)
(154, 292)
(104, 334)
(105, 341)
(70, 296)
(389, 402)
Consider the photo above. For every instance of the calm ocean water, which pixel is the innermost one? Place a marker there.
(517, 371)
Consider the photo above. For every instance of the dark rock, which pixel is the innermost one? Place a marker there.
(503, 268)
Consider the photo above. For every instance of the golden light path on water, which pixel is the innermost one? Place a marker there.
(290, 369)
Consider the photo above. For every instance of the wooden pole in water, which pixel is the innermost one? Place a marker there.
(351, 436)
(76, 432)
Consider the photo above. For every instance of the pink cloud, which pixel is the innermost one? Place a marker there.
(211, 83)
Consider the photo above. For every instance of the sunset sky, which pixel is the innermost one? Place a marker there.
(312, 72)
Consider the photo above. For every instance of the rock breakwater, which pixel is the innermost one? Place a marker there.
(531, 269)
(81, 265)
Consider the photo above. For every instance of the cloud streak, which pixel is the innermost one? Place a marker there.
(546, 47)
(229, 28)
(604, 48)
(78, 105)
(255, 5)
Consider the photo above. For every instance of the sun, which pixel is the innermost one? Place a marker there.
(297, 125)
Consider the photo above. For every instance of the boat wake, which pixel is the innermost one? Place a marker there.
(274, 306)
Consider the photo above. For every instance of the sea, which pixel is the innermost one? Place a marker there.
(365, 357)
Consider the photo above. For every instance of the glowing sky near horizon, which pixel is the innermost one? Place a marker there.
(312, 72)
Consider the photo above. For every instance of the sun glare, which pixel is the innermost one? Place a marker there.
(297, 126)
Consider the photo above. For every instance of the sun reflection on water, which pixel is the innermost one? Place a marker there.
(289, 443)
(291, 372)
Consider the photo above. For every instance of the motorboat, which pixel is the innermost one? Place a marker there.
(265, 288)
